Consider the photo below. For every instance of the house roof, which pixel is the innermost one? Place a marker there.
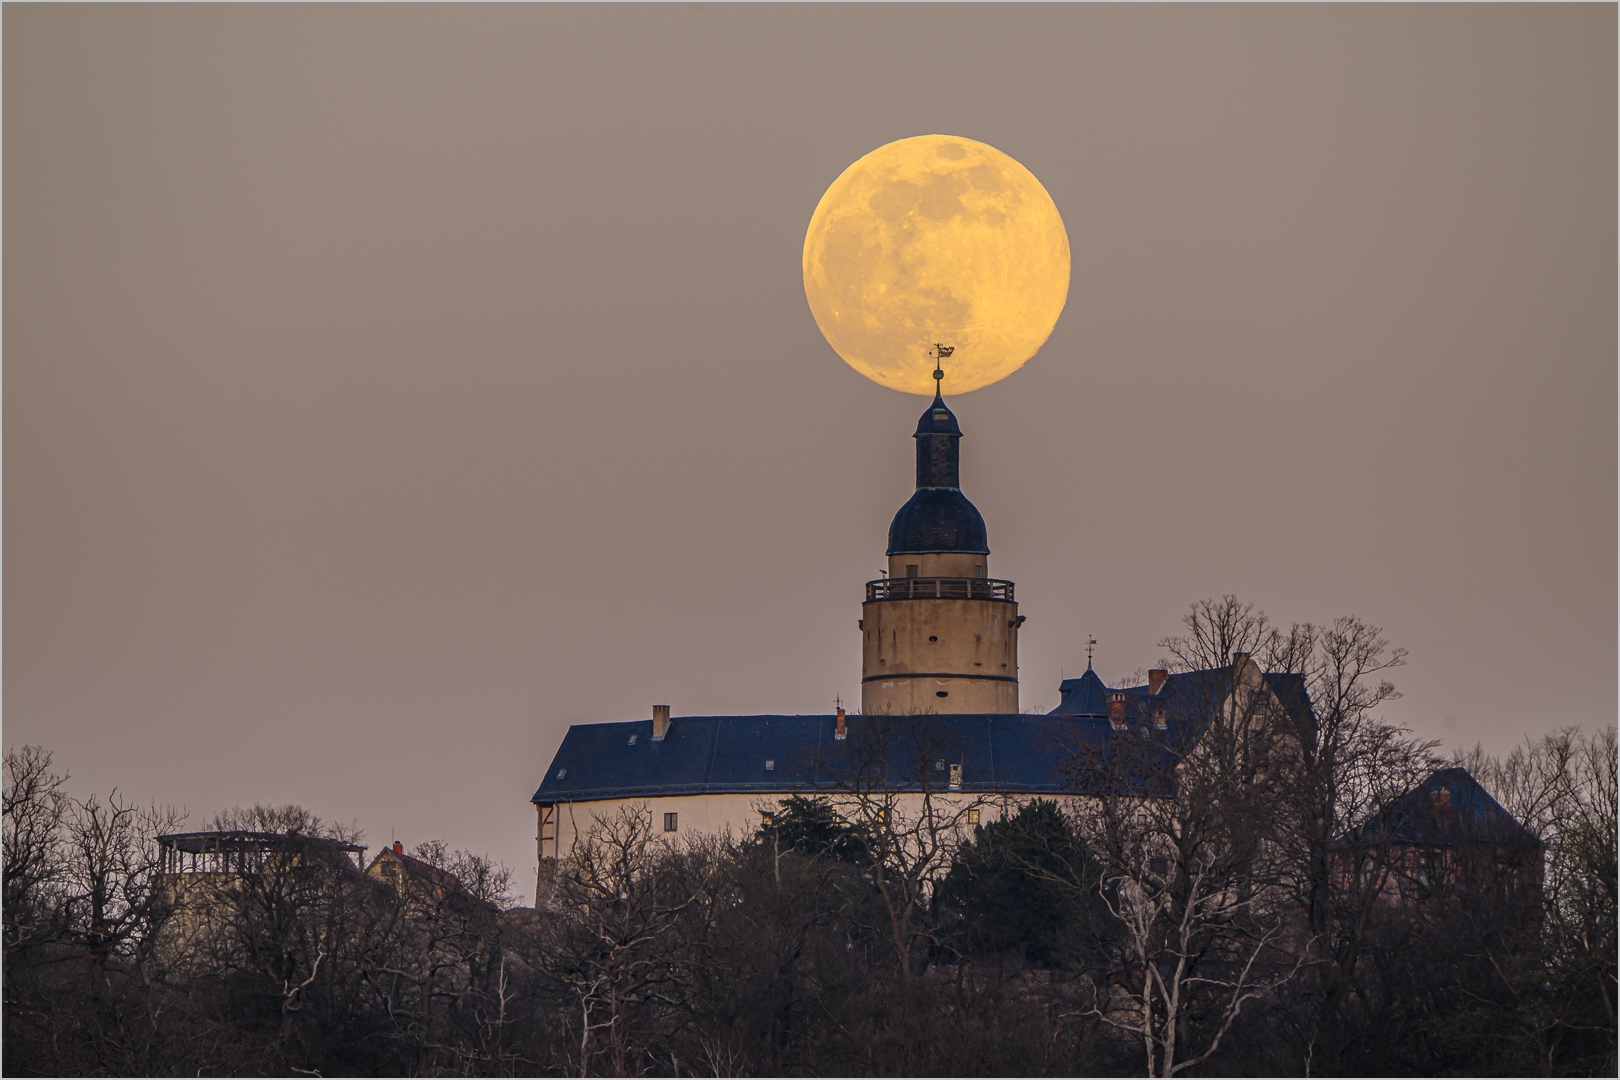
(418, 869)
(999, 753)
(1449, 809)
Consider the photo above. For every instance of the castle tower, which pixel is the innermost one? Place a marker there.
(939, 634)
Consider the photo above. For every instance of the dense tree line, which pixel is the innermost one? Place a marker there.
(1238, 921)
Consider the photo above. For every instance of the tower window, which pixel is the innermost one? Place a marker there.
(978, 571)
(911, 569)
(671, 821)
(942, 693)
(933, 637)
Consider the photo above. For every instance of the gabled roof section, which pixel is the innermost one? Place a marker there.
(1187, 697)
(1449, 809)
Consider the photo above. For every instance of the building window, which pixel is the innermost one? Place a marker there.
(978, 571)
(973, 817)
(770, 764)
(939, 766)
(562, 774)
(767, 818)
(911, 570)
(670, 820)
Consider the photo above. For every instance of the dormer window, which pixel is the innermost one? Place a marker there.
(770, 764)
(562, 774)
(632, 740)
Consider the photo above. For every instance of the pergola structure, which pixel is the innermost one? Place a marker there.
(239, 852)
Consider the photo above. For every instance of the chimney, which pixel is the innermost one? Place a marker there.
(843, 728)
(1156, 677)
(1116, 709)
(399, 848)
(660, 722)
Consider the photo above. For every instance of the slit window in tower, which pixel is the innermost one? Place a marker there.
(911, 569)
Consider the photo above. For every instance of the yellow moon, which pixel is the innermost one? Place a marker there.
(936, 239)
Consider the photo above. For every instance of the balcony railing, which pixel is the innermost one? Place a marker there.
(938, 588)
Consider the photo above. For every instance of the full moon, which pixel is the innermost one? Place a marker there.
(936, 239)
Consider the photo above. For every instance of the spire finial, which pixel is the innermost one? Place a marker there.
(940, 353)
(1091, 643)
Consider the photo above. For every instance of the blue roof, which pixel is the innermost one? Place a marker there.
(1185, 697)
(998, 752)
(1449, 809)
(1085, 696)
(938, 519)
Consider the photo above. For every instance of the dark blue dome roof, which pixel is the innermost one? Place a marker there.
(938, 520)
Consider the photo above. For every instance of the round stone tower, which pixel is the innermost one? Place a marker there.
(939, 634)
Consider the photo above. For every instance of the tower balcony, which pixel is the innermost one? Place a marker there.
(939, 588)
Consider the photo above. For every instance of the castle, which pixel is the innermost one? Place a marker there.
(939, 645)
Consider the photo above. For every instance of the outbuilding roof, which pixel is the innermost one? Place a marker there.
(1449, 809)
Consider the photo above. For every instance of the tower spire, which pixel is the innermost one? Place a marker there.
(940, 353)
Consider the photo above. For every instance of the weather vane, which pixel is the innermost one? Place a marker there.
(939, 353)
(1091, 643)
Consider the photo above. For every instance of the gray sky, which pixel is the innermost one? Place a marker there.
(387, 388)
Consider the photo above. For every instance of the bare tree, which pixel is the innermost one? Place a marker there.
(623, 892)
(1182, 811)
(113, 867)
(477, 875)
(35, 810)
(898, 791)
(1563, 788)
(1351, 769)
